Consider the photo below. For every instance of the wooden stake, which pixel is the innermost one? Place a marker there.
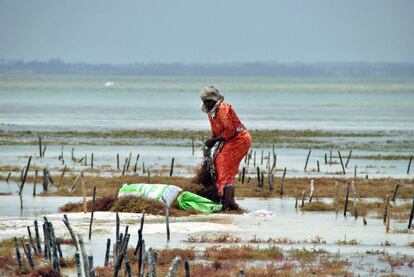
(346, 199)
(92, 212)
(18, 256)
(386, 204)
(187, 269)
(355, 199)
(395, 192)
(307, 159)
(326, 158)
(172, 167)
(349, 157)
(37, 235)
(258, 177)
(108, 248)
(83, 195)
(243, 173)
(312, 188)
(117, 161)
(410, 220)
(342, 164)
(136, 164)
(40, 147)
(192, 145)
(167, 219)
(92, 160)
(317, 164)
(78, 265)
(34, 183)
(84, 256)
(282, 182)
(409, 165)
(61, 177)
(72, 234)
(129, 161)
(303, 198)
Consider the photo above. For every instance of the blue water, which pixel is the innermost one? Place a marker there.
(34, 102)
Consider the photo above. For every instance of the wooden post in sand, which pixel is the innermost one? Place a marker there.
(307, 159)
(136, 164)
(129, 161)
(45, 180)
(349, 157)
(254, 158)
(386, 204)
(83, 194)
(303, 198)
(93, 210)
(108, 248)
(92, 160)
(388, 218)
(172, 167)
(192, 145)
(243, 173)
(40, 147)
(317, 164)
(409, 164)
(61, 177)
(410, 220)
(282, 182)
(187, 269)
(342, 164)
(18, 256)
(258, 177)
(346, 199)
(34, 183)
(394, 195)
(117, 161)
(167, 218)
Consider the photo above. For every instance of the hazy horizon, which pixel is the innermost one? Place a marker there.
(184, 31)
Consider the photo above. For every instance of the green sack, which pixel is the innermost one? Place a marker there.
(188, 200)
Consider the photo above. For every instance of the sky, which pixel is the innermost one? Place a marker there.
(213, 31)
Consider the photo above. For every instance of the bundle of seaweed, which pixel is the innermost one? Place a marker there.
(205, 176)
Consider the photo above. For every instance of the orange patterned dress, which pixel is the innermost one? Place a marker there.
(237, 144)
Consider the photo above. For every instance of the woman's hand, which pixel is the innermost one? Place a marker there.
(210, 142)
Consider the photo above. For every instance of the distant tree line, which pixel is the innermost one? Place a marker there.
(57, 66)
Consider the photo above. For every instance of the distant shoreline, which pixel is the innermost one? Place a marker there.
(340, 69)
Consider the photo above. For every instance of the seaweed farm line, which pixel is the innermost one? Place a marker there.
(363, 246)
(157, 159)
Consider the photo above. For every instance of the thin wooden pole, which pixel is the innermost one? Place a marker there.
(307, 159)
(136, 164)
(349, 157)
(108, 248)
(117, 161)
(312, 189)
(394, 195)
(346, 199)
(40, 147)
(317, 164)
(92, 160)
(243, 173)
(342, 164)
(410, 220)
(167, 219)
(61, 177)
(92, 212)
(192, 145)
(34, 183)
(409, 164)
(282, 182)
(172, 167)
(83, 195)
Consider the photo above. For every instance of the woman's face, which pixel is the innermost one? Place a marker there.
(209, 104)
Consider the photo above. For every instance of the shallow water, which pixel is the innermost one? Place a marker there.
(37, 102)
(267, 218)
(159, 158)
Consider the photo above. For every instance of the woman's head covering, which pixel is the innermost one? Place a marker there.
(211, 93)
